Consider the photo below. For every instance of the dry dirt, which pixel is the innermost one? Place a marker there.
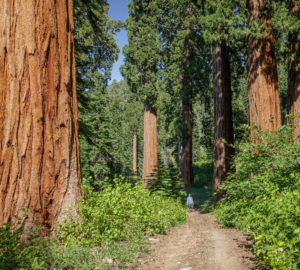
(201, 243)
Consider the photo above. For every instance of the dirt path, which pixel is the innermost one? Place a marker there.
(199, 244)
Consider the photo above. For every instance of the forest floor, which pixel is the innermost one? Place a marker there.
(201, 243)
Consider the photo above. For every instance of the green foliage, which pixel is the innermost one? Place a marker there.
(110, 232)
(167, 182)
(203, 173)
(263, 197)
(17, 254)
(121, 211)
(142, 52)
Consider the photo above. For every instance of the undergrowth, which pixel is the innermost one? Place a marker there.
(263, 197)
(111, 232)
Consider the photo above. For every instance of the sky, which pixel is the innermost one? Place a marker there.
(118, 10)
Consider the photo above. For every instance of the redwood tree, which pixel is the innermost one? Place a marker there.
(39, 156)
(223, 131)
(293, 101)
(264, 106)
(184, 66)
(140, 71)
(134, 157)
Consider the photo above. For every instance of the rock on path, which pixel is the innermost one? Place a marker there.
(201, 243)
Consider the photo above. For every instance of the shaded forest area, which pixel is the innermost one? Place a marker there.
(99, 166)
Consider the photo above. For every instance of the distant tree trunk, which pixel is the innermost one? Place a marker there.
(39, 155)
(223, 117)
(186, 155)
(134, 152)
(150, 144)
(293, 97)
(264, 106)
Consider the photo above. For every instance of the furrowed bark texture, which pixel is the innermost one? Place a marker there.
(39, 155)
(150, 145)
(134, 161)
(264, 106)
(223, 127)
(293, 97)
(186, 154)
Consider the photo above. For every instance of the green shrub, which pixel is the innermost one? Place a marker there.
(17, 254)
(121, 211)
(263, 197)
(112, 226)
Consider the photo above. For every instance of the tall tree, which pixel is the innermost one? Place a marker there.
(264, 105)
(177, 23)
(223, 150)
(135, 152)
(222, 21)
(38, 114)
(140, 70)
(96, 50)
(293, 102)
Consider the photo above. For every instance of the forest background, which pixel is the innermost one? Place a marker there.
(199, 76)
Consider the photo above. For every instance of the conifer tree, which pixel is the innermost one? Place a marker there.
(264, 105)
(293, 102)
(140, 70)
(38, 114)
(96, 50)
(178, 25)
(221, 22)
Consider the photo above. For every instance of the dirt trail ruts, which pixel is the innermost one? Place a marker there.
(201, 243)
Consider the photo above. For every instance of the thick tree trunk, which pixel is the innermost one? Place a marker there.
(134, 161)
(186, 154)
(39, 155)
(264, 106)
(150, 145)
(293, 97)
(223, 117)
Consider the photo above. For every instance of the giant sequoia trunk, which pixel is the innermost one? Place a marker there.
(39, 155)
(223, 116)
(264, 106)
(134, 161)
(293, 101)
(186, 154)
(150, 145)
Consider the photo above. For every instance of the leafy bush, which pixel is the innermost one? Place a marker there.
(17, 254)
(263, 197)
(112, 227)
(121, 211)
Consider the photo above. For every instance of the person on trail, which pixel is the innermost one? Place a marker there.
(190, 201)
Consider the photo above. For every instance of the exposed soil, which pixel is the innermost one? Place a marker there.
(201, 243)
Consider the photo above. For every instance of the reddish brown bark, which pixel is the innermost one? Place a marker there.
(223, 127)
(39, 155)
(264, 106)
(134, 161)
(186, 154)
(293, 97)
(150, 145)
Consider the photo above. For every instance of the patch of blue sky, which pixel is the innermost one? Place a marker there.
(118, 10)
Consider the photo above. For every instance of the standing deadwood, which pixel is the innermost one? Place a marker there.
(223, 127)
(264, 106)
(134, 161)
(293, 97)
(39, 154)
(150, 145)
(186, 154)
